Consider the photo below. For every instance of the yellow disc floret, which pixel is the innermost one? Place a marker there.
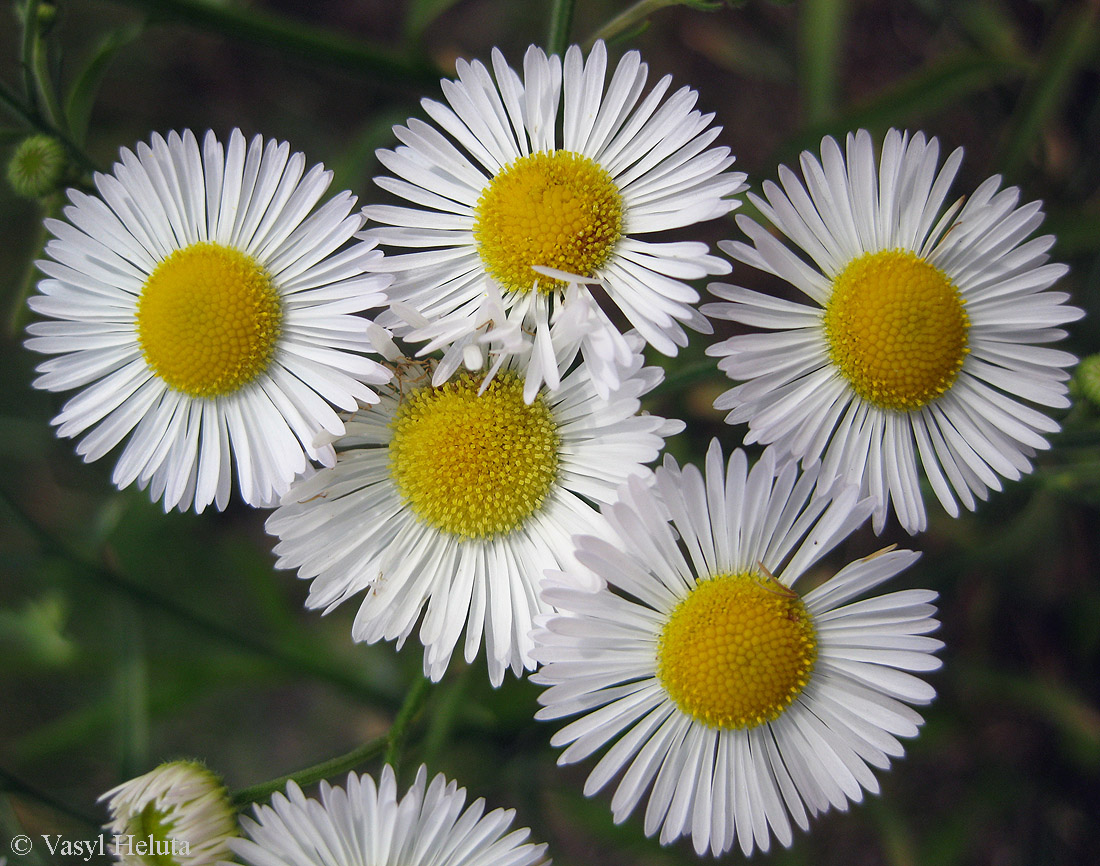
(208, 320)
(474, 465)
(556, 210)
(737, 651)
(897, 329)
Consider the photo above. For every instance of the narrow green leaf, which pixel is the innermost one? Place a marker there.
(1073, 43)
(82, 94)
(561, 20)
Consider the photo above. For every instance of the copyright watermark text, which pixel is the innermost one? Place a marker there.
(101, 846)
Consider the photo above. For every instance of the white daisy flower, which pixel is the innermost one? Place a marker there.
(179, 814)
(738, 704)
(450, 501)
(923, 334)
(508, 211)
(208, 318)
(367, 825)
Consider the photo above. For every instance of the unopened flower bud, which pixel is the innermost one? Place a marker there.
(179, 814)
(37, 167)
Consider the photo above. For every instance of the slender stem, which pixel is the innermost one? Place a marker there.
(444, 713)
(633, 16)
(44, 82)
(561, 19)
(131, 689)
(294, 37)
(387, 745)
(316, 773)
(36, 75)
(413, 701)
(18, 313)
(288, 656)
(12, 103)
(30, 35)
(820, 34)
(36, 121)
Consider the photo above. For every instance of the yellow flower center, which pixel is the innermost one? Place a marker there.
(208, 320)
(737, 651)
(897, 329)
(474, 465)
(557, 210)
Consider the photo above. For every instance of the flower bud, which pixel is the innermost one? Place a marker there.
(38, 166)
(1087, 378)
(179, 814)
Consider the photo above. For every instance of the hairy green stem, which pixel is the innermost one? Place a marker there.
(38, 122)
(17, 315)
(413, 701)
(316, 773)
(386, 745)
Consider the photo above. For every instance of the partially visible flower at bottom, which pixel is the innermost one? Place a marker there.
(183, 806)
(737, 703)
(367, 825)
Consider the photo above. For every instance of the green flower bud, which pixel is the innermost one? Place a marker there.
(1087, 377)
(179, 814)
(38, 166)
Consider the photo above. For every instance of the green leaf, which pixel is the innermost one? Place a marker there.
(82, 94)
(1073, 43)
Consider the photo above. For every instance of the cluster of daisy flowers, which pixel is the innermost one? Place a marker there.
(442, 400)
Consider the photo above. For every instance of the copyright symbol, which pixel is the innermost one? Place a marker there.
(21, 845)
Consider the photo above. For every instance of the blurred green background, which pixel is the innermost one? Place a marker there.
(128, 637)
